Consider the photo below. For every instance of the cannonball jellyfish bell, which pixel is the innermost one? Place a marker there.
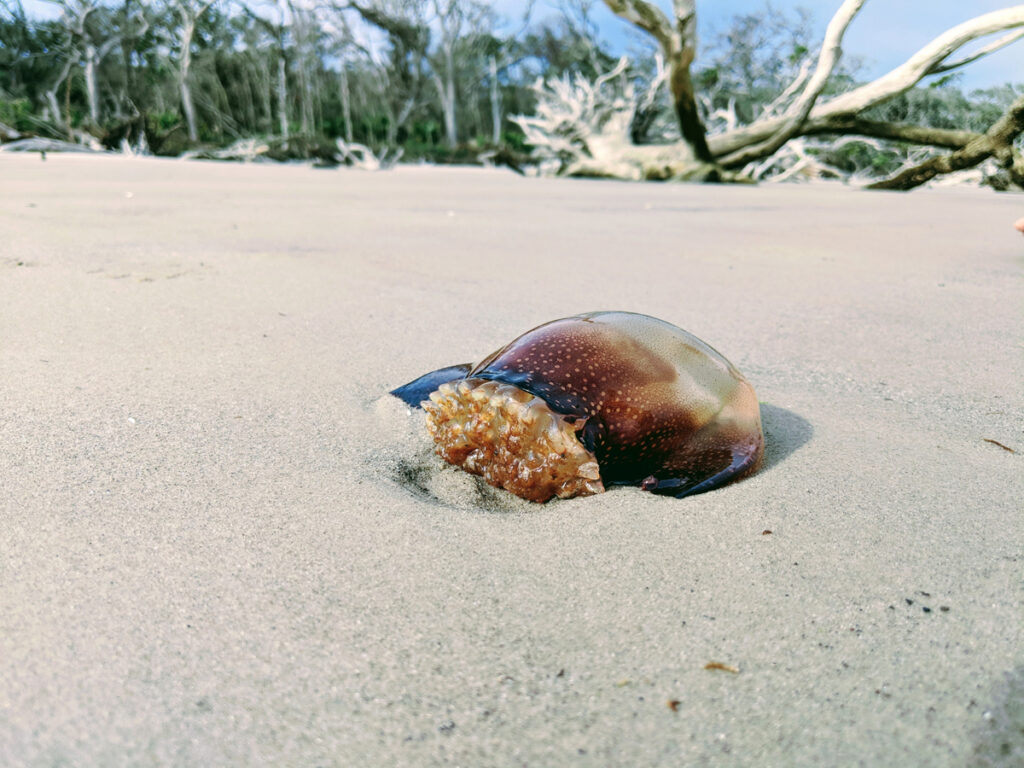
(599, 399)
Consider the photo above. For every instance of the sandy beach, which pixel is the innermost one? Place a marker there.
(222, 543)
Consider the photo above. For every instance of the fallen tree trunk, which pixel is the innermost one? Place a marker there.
(996, 142)
(913, 134)
(582, 128)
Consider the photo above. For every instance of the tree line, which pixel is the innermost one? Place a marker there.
(448, 80)
(423, 75)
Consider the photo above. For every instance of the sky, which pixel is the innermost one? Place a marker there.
(884, 34)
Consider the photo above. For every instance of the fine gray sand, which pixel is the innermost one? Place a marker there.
(221, 543)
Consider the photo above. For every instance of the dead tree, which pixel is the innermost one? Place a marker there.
(189, 12)
(305, 27)
(799, 111)
(277, 30)
(74, 14)
(582, 128)
(337, 28)
(402, 79)
(449, 16)
(678, 43)
(88, 47)
(73, 56)
(839, 114)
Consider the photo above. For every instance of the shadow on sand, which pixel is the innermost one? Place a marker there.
(784, 433)
(999, 736)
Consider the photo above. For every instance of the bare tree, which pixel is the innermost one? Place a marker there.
(92, 50)
(401, 81)
(495, 98)
(305, 29)
(497, 62)
(344, 42)
(72, 57)
(337, 27)
(74, 15)
(464, 27)
(450, 15)
(272, 20)
(189, 12)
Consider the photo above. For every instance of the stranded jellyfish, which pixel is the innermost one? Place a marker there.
(599, 399)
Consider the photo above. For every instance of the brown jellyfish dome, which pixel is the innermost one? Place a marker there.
(652, 404)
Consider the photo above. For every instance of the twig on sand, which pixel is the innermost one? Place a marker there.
(996, 442)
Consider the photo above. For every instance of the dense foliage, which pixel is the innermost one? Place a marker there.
(436, 79)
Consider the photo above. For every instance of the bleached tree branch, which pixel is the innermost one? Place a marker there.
(574, 118)
(660, 76)
(778, 105)
(992, 47)
(647, 17)
(914, 134)
(926, 61)
(996, 142)
(923, 63)
(795, 116)
(678, 44)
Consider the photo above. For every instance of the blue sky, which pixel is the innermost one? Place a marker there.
(884, 35)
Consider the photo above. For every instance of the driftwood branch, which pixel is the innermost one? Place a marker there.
(647, 17)
(927, 61)
(579, 125)
(992, 47)
(996, 142)
(913, 134)
(779, 105)
(679, 46)
(582, 128)
(796, 116)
